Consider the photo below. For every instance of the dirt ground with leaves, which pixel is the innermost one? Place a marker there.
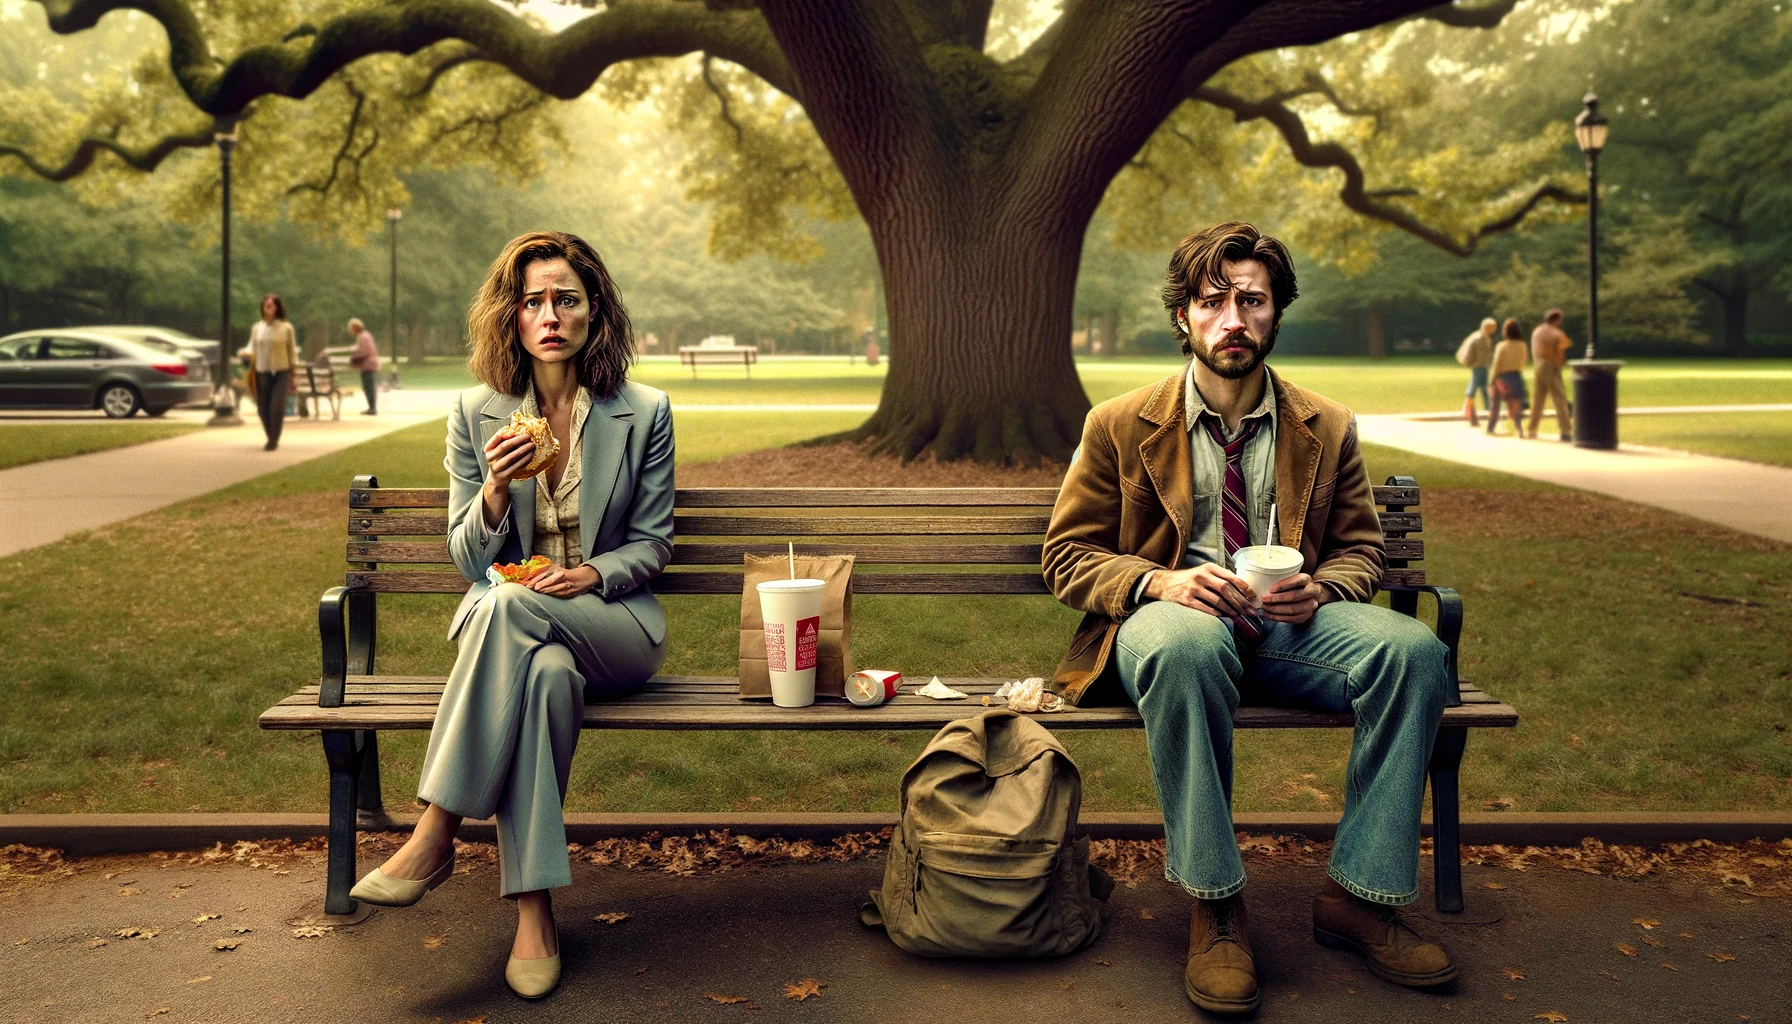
(722, 927)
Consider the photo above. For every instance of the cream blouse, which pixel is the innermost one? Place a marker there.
(557, 508)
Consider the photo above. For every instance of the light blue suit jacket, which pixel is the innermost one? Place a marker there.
(625, 497)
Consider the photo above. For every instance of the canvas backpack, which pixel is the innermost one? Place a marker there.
(986, 861)
(1465, 352)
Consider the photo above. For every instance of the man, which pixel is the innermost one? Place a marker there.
(366, 358)
(1168, 482)
(1476, 353)
(1549, 351)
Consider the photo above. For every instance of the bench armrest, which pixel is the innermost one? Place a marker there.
(1449, 620)
(345, 627)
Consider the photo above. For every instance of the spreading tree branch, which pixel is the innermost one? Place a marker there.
(342, 153)
(1354, 195)
(721, 95)
(145, 159)
(463, 55)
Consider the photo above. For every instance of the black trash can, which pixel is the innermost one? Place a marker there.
(1596, 402)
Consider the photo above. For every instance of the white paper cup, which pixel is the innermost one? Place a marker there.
(792, 613)
(1265, 565)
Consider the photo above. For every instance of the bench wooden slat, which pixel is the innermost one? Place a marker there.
(416, 552)
(859, 497)
(1401, 547)
(818, 497)
(1401, 522)
(425, 581)
(709, 525)
(729, 553)
(398, 523)
(1402, 579)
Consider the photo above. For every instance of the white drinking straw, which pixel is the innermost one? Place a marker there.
(792, 559)
(1274, 525)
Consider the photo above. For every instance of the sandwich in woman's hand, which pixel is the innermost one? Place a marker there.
(546, 444)
(519, 572)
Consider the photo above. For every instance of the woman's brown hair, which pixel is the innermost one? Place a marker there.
(279, 307)
(499, 359)
(1513, 331)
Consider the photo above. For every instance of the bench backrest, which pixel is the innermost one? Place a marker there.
(906, 540)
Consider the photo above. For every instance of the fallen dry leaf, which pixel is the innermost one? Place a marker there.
(183, 885)
(1103, 963)
(1494, 885)
(434, 941)
(1065, 986)
(97, 943)
(1509, 997)
(1657, 943)
(130, 892)
(1145, 915)
(1646, 922)
(640, 970)
(1722, 957)
(241, 930)
(1625, 948)
(202, 918)
(21, 942)
(1669, 966)
(804, 989)
(312, 931)
(611, 917)
(157, 1012)
(202, 977)
(1608, 974)
(1513, 974)
(1553, 1016)
(225, 944)
(717, 997)
(1686, 935)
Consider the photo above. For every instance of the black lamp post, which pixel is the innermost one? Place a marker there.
(224, 403)
(392, 216)
(1595, 381)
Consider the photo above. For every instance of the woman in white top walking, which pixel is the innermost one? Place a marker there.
(275, 351)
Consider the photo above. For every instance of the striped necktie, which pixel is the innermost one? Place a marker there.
(1235, 524)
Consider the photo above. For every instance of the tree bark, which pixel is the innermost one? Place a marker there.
(1735, 303)
(1378, 341)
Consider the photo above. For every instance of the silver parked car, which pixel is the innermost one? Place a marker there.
(80, 368)
(165, 338)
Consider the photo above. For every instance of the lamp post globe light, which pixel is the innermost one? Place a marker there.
(392, 216)
(1595, 381)
(224, 397)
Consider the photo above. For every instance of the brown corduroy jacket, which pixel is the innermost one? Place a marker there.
(1127, 501)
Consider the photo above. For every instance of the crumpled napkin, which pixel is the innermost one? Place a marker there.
(940, 691)
(1031, 695)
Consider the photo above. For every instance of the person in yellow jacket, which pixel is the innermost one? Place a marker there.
(273, 353)
(1508, 378)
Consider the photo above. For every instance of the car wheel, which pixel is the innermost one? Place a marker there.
(120, 401)
(156, 410)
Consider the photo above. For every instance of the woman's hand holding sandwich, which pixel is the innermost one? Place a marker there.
(507, 455)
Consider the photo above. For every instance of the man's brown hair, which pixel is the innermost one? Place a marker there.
(499, 359)
(1201, 258)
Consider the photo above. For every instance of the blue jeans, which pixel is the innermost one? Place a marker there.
(1477, 381)
(1187, 676)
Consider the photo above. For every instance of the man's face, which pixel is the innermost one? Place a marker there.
(1233, 329)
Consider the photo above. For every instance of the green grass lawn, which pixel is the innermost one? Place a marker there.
(1644, 651)
(1755, 436)
(1396, 384)
(22, 443)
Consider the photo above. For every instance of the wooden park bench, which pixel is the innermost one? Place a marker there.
(959, 540)
(315, 383)
(743, 355)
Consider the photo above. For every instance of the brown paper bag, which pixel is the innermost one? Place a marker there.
(833, 660)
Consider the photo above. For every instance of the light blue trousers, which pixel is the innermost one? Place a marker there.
(1187, 676)
(509, 721)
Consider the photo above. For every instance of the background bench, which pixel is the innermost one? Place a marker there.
(314, 383)
(959, 540)
(743, 356)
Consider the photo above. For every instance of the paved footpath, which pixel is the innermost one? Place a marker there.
(1745, 496)
(43, 502)
(1547, 944)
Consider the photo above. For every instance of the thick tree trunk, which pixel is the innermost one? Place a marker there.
(1735, 303)
(1378, 339)
(979, 319)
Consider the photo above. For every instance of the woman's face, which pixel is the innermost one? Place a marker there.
(267, 309)
(554, 317)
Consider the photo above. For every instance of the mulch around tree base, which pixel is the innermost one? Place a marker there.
(848, 465)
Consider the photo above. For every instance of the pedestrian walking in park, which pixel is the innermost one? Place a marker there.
(366, 358)
(1549, 351)
(1169, 626)
(1476, 353)
(1507, 370)
(273, 352)
(550, 339)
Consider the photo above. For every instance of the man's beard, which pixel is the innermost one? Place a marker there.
(1232, 366)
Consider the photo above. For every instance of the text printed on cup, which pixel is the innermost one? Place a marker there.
(777, 647)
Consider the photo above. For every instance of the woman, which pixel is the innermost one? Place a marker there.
(1508, 378)
(273, 352)
(549, 337)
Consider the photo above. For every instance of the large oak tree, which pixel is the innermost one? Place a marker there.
(976, 177)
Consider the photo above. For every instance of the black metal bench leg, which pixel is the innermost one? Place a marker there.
(340, 751)
(1446, 761)
(367, 790)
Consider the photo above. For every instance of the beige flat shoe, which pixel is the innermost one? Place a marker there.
(382, 890)
(533, 979)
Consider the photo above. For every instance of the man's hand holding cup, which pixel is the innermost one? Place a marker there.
(1294, 600)
(1208, 587)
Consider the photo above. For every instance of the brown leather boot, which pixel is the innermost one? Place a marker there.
(1393, 951)
(1221, 976)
